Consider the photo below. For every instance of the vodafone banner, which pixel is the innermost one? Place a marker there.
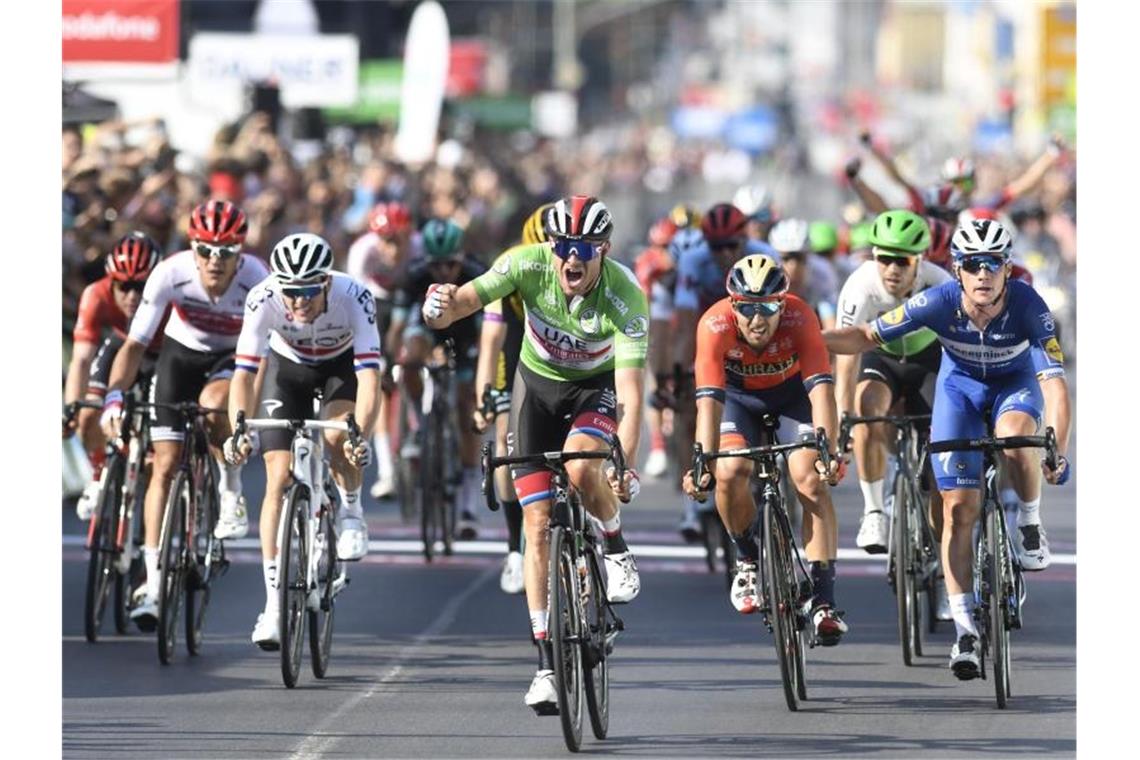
(120, 31)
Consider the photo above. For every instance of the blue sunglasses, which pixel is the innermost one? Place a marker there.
(975, 264)
(749, 309)
(583, 249)
(303, 291)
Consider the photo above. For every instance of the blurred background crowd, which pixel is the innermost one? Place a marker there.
(645, 103)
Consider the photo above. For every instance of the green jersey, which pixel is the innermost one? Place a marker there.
(606, 329)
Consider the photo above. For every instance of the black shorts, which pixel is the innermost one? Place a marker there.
(911, 378)
(180, 375)
(544, 412)
(100, 372)
(744, 412)
(290, 388)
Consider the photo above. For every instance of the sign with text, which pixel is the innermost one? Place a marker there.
(120, 31)
(314, 71)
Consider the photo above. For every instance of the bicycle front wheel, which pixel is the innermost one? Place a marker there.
(595, 661)
(136, 572)
(780, 578)
(172, 565)
(565, 627)
(101, 574)
(904, 565)
(1001, 589)
(321, 618)
(292, 581)
(206, 512)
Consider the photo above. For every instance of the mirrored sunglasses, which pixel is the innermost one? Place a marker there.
(302, 291)
(975, 264)
(749, 309)
(583, 249)
(224, 252)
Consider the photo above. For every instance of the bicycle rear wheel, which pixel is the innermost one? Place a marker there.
(1001, 588)
(292, 581)
(172, 565)
(101, 575)
(321, 618)
(201, 570)
(596, 664)
(906, 595)
(780, 578)
(565, 627)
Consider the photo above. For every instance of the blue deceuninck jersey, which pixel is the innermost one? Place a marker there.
(997, 368)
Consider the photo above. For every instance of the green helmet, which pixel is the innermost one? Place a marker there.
(859, 236)
(824, 237)
(441, 238)
(902, 231)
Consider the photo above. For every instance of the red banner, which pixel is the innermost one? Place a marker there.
(120, 31)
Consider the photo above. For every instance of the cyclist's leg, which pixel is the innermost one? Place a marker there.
(511, 579)
(684, 430)
(385, 473)
(469, 440)
(1019, 410)
(874, 395)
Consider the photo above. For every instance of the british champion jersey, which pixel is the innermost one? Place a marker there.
(864, 297)
(197, 321)
(347, 323)
(1023, 337)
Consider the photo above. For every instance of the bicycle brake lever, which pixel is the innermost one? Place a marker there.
(1050, 448)
(488, 481)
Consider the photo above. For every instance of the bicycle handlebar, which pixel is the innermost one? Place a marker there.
(850, 420)
(551, 460)
(701, 458)
(991, 443)
(348, 424)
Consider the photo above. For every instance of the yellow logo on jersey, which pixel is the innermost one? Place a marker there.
(1053, 349)
(894, 316)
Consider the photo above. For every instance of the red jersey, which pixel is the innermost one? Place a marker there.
(724, 358)
(653, 265)
(99, 312)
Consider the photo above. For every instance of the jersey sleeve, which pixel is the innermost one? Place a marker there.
(152, 308)
(918, 312)
(87, 324)
(502, 278)
(631, 339)
(1045, 349)
(365, 336)
(815, 365)
(357, 264)
(253, 342)
(853, 307)
(714, 338)
(688, 281)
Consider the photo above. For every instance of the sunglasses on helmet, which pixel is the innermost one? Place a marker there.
(224, 252)
(129, 286)
(564, 248)
(302, 291)
(749, 309)
(975, 264)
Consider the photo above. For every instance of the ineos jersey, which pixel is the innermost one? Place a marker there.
(197, 321)
(348, 322)
(366, 264)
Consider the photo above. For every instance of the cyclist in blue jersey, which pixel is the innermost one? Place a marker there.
(1001, 356)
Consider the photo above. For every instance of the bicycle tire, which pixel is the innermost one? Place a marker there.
(596, 664)
(172, 566)
(321, 619)
(445, 476)
(903, 567)
(708, 520)
(1001, 587)
(564, 629)
(292, 584)
(781, 602)
(728, 555)
(136, 573)
(101, 574)
(429, 488)
(200, 572)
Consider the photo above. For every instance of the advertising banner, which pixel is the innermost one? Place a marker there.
(378, 96)
(426, 59)
(120, 31)
(310, 71)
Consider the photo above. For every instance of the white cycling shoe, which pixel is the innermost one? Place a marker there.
(1032, 547)
(352, 538)
(623, 583)
(511, 579)
(874, 530)
(542, 696)
(656, 464)
(965, 663)
(87, 503)
(144, 609)
(265, 631)
(384, 486)
(743, 592)
(233, 522)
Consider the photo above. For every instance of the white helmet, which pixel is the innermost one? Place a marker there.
(755, 201)
(789, 236)
(980, 237)
(303, 257)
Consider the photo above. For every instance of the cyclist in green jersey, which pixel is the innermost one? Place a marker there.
(580, 381)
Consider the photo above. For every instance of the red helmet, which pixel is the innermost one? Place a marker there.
(723, 223)
(390, 219)
(133, 258)
(940, 234)
(219, 222)
(662, 232)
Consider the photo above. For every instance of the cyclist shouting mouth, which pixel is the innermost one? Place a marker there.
(579, 264)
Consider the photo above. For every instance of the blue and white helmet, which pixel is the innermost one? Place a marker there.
(303, 257)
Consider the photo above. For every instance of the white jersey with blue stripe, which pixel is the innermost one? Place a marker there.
(1023, 337)
(347, 323)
